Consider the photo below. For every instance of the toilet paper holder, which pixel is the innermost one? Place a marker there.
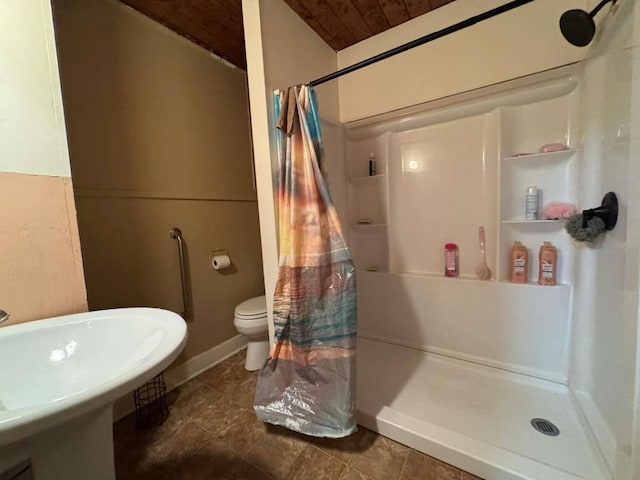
(220, 259)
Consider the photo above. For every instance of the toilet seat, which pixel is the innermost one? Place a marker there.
(251, 317)
(254, 308)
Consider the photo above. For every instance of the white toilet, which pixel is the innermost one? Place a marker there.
(250, 320)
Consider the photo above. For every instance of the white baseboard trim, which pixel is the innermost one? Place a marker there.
(186, 371)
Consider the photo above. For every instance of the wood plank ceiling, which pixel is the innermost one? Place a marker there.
(217, 24)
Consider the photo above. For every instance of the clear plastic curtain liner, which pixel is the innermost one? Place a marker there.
(308, 382)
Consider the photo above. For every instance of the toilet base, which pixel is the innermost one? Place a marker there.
(257, 353)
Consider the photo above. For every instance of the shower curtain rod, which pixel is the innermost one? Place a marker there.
(421, 41)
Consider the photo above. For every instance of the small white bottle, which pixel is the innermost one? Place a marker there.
(531, 204)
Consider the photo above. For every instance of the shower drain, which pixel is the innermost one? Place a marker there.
(545, 426)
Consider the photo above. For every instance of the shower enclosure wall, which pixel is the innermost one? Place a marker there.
(445, 169)
(458, 367)
(441, 173)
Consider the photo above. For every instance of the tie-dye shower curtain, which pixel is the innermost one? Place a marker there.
(308, 383)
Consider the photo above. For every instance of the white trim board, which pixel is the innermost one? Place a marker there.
(186, 371)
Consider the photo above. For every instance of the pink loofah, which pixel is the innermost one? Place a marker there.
(558, 210)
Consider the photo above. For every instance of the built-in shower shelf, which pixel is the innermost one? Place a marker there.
(364, 227)
(468, 278)
(535, 222)
(551, 156)
(368, 269)
(367, 179)
(536, 285)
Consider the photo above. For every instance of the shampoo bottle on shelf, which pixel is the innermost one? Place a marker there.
(548, 267)
(519, 271)
(372, 165)
(451, 259)
(531, 204)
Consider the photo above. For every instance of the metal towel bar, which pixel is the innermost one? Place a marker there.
(176, 234)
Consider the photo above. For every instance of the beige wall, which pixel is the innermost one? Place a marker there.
(520, 42)
(159, 137)
(278, 57)
(41, 274)
(41, 270)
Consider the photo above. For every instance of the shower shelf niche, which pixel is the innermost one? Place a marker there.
(367, 199)
(555, 176)
(553, 173)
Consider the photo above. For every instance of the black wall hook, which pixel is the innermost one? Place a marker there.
(608, 212)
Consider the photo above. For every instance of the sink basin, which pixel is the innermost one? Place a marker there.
(61, 374)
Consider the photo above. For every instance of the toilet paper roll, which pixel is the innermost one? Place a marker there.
(220, 262)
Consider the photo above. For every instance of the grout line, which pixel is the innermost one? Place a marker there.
(258, 468)
(294, 460)
(404, 464)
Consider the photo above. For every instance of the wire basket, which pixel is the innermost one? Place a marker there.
(151, 403)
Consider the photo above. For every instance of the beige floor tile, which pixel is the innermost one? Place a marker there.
(212, 376)
(225, 376)
(216, 416)
(192, 396)
(235, 360)
(182, 390)
(153, 472)
(244, 392)
(383, 460)
(444, 471)
(315, 464)
(180, 444)
(215, 460)
(350, 473)
(344, 448)
(244, 432)
(275, 453)
(133, 462)
(419, 465)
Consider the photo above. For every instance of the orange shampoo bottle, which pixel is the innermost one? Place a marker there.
(519, 263)
(548, 268)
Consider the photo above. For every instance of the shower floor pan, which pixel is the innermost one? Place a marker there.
(474, 417)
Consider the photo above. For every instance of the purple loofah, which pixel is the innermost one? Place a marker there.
(558, 210)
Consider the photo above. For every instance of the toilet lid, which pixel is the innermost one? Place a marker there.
(253, 308)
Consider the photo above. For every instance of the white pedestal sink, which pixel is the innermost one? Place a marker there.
(59, 378)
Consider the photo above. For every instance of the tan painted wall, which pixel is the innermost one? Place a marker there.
(159, 137)
(520, 42)
(41, 274)
(41, 267)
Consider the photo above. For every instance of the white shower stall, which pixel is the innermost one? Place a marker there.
(459, 367)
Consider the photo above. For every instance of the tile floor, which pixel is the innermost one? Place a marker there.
(212, 433)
